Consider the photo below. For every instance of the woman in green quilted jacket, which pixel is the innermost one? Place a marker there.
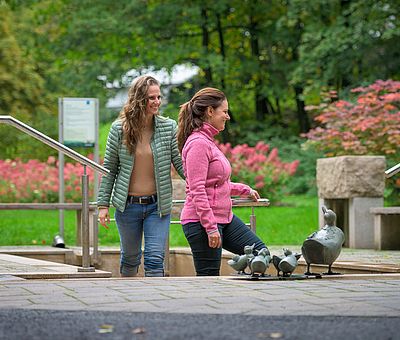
(141, 147)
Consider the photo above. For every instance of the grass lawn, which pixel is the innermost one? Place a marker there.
(288, 224)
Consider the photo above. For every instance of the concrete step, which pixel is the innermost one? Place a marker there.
(67, 260)
(28, 268)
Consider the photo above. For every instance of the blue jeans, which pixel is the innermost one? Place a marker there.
(235, 235)
(136, 220)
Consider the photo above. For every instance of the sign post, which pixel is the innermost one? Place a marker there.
(78, 127)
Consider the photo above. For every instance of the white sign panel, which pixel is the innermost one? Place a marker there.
(79, 121)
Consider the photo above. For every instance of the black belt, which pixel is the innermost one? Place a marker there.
(142, 199)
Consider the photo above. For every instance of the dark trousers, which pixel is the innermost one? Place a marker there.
(235, 236)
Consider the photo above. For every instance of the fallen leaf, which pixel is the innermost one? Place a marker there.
(139, 330)
(106, 329)
(276, 335)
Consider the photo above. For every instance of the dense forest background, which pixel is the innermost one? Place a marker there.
(273, 59)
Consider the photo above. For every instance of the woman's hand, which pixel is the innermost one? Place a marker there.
(104, 217)
(214, 240)
(254, 195)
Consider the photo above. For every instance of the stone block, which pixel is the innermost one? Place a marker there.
(387, 228)
(361, 222)
(178, 193)
(179, 186)
(351, 176)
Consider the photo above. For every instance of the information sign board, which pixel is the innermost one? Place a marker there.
(79, 117)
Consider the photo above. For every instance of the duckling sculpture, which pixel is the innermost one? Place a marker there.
(289, 263)
(286, 263)
(275, 261)
(259, 264)
(323, 246)
(240, 262)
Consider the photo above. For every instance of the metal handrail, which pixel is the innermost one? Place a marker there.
(85, 179)
(392, 171)
(52, 143)
(236, 202)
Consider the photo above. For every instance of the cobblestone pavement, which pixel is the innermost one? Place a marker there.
(379, 296)
(349, 306)
(350, 294)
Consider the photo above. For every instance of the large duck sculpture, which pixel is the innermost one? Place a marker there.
(323, 246)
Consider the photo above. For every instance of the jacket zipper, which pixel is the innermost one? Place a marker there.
(155, 161)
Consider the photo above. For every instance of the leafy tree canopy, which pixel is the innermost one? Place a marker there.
(272, 58)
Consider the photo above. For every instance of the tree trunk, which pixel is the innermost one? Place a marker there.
(205, 42)
(302, 116)
(221, 46)
(226, 136)
(223, 54)
(263, 106)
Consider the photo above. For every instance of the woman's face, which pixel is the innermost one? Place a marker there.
(218, 116)
(153, 100)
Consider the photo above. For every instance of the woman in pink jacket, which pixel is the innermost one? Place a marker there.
(207, 219)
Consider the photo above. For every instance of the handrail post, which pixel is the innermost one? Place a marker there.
(85, 225)
(96, 252)
(166, 258)
(253, 223)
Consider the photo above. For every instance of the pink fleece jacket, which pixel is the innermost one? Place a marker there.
(208, 185)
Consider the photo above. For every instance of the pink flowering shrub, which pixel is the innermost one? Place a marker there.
(369, 125)
(35, 181)
(260, 168)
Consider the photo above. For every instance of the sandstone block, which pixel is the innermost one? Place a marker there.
(351, 176)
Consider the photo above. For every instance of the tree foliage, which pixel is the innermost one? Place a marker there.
(370, 125)
(272, 58)
(23, 92)
(346, 43)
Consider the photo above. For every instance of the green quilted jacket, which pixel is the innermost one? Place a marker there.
(117, 159)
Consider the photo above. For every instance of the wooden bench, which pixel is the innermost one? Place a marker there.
(386, 228)
(93, 213)
(93, 220)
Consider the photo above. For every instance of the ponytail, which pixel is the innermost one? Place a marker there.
(185, 124)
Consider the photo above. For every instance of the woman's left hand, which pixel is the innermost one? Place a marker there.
(254, 195)
(214, 240)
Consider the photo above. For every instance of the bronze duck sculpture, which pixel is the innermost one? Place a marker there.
(259, 264)
(286, 263)
(240, 262)
(275, 261)
(323, 246)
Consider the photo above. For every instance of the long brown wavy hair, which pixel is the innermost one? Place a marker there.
(133, 114)
(193, 113)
